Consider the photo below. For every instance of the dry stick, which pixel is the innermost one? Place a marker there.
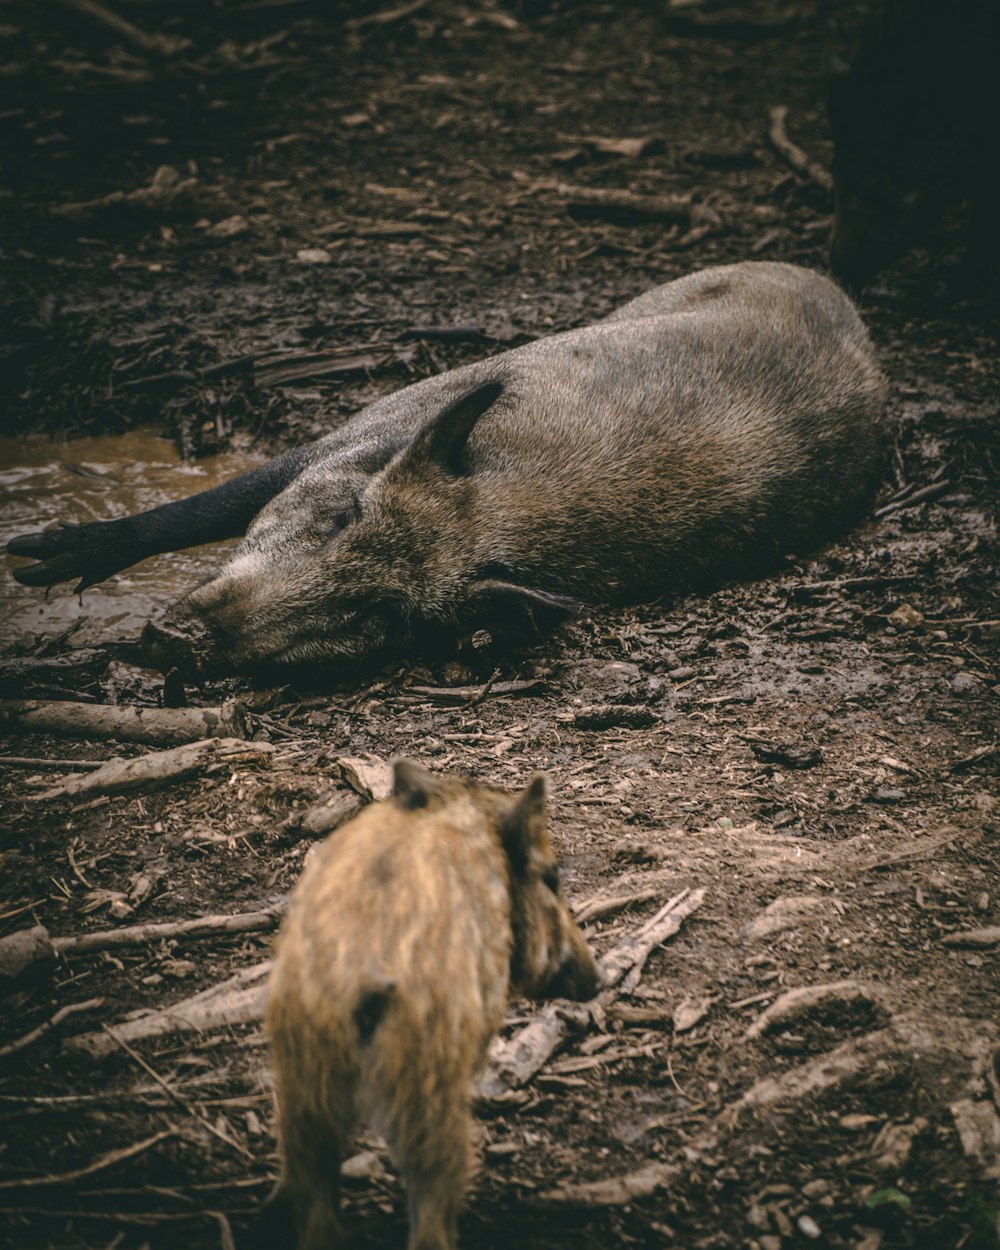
(913, 852)
(63, 766)
(105, 1161)
(919, 496)
(140, 934)
(601, 906)
(487, 687)
(155, 44)
(194, 1111)
(792, 153)
(462, 694)
(237, 1000)
(158, 726)
(35, 1035)
(384, 16)
(515, 1060)
(158, 768)
(611, 203)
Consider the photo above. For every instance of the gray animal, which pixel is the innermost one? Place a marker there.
(394, 962)
(698, 433)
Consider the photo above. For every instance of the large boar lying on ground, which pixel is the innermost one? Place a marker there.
(697, 433)
(393, 968)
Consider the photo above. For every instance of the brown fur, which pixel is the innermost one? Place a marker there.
(697, 433)
(391, 978)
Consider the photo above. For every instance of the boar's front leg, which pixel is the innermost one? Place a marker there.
(95, 551)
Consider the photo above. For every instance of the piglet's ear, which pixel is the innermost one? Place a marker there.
(412, 786)
(524, 826)
(442, 441)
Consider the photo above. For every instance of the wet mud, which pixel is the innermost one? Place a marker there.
(355, 207)
(43, 483)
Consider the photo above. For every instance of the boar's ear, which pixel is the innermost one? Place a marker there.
(412, 786)
(523, 827)
(442, 441)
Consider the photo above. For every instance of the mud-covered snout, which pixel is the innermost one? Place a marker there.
(182, 642)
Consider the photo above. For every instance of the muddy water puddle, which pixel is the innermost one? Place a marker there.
(98, 479)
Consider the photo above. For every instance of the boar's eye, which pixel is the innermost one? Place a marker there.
(550, 878)
(343, 519)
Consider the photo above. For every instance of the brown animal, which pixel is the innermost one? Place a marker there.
(697, 433)
(392, 974)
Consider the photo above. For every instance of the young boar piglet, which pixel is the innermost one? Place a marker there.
(394, 963)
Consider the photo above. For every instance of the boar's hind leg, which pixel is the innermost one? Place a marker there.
(311, 1180)
(435, 1170)
(95, 551)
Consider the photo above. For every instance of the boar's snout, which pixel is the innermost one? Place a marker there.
(578, 977)
(185, 646)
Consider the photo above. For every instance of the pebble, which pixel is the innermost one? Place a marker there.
(758, 1218)
(808, 1227)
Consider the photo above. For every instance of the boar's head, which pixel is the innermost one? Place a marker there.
(343, 566)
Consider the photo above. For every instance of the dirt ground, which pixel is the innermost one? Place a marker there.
(358, 200)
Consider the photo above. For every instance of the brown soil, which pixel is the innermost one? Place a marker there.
(829, 732)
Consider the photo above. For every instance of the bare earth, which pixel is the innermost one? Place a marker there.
(817, 750)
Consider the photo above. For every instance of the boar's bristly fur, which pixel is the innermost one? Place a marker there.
(698, 433)
(391, 977)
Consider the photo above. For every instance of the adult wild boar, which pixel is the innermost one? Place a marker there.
(697, 433)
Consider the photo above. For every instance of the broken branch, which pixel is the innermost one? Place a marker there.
(159, 726)
(157, 769)
(792, 153)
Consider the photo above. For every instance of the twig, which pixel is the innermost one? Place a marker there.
(385, 16)
(626, 206)
(64, 766)
(140, 934)
(520, 1056)
(599, 907)
(159, 726)
(793, 154)
(919, 496)
(237, 1000)
(487, 687)
(194, 1111)
(29, 1039)
(157, 45)
(913, 852)
(462, 694)
(105, 1161)
(158, 768)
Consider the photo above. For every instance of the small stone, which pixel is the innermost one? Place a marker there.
(983, 902)
(808, 1227)
(769, 1242)
(313, 256)
(816, 1188)
(758, 1218)
(888, 794)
